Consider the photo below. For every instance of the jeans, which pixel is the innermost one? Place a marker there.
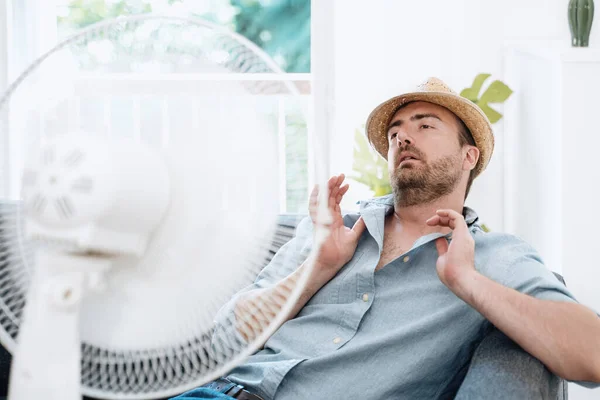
(202, 393)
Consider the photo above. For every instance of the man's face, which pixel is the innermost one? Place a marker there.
(425, 158)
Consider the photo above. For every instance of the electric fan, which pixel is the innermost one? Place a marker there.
(142, 191)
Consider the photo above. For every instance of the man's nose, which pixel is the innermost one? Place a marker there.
(403, 138)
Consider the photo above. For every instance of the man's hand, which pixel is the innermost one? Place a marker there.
(456, 261)
(340, 245)
(256, 309)
(562, 335)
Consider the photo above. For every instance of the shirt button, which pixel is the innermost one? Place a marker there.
(337, 340)
(406, 259)
(365, 297)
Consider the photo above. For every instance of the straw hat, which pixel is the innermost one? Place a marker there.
(437, 92)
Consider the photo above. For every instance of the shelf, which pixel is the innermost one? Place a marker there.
(555, 50)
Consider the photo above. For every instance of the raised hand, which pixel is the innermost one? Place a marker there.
(456, 260)
(340, 245)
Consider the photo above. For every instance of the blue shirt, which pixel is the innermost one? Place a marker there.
(393, 333)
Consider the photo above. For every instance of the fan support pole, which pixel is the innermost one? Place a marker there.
(47, 361)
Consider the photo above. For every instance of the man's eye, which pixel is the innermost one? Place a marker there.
(424, 126)
(393, 135)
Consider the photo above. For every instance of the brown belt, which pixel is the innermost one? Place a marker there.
(232, 389)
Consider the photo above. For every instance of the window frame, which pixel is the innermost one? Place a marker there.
(32, 29)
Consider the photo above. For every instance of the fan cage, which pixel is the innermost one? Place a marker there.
(160, 372)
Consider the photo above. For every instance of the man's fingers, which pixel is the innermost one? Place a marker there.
(341, 193)
(333, 194)
(330, 187)
(332, 182)
(314, 195)
(445, 221)
(334, 191)
(433, 221)
(448, 218)
(313, 203)
(340, 179)
(440, 221)
(452, 218)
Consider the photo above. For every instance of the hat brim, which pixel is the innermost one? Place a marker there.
(466, 110)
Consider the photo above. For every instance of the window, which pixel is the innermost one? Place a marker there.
(280, 27)
(115, 102)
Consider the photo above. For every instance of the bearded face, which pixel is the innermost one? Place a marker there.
(417, 180)
(428, 157)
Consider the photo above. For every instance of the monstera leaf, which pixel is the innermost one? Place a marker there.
(496, 93)
(472, 93)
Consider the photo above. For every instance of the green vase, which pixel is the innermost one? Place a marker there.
(581, 17)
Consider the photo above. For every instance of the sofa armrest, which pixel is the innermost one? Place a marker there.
(501, 369)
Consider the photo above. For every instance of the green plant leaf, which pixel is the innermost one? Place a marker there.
(472, 93)
(369, 167)
(493, 115)
(497, 92)
(383, 190)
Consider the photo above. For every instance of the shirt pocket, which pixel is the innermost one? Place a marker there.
(342, 288)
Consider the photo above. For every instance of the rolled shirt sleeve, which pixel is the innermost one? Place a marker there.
(226, 339)
(518, 265)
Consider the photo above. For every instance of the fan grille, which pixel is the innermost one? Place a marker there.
(127, 373)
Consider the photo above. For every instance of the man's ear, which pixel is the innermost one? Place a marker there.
(471, 157)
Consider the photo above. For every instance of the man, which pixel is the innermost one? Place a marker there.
(401, 294)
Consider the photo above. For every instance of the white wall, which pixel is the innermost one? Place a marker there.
(554, 170)
(384, 45)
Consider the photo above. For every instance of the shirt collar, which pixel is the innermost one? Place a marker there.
(387, 202)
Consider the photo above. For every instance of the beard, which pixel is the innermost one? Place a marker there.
(424, 183)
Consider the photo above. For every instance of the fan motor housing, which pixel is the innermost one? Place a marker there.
(95, 194)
